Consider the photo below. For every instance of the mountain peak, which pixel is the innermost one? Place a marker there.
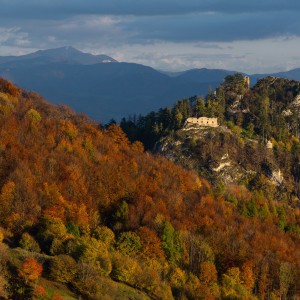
(70, 54)
(59, 50)
(66, 54)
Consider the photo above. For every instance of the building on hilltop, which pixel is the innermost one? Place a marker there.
(203, 121)
(269, 145)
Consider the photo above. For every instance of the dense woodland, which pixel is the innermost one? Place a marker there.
(265, 111)
(88, 212)
(270, 111)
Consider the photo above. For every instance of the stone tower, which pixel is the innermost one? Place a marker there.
(247, 81)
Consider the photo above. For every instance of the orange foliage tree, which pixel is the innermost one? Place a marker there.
(30, 270)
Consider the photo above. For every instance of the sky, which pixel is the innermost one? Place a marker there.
(257, 36)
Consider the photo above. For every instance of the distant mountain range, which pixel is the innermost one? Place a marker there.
(59, 55)
(103, 88)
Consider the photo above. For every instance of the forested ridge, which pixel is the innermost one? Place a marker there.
(267, 110)
(86, 212)
(249, 119)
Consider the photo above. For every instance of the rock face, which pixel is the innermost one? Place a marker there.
(197, 148)
(220, 155)
(277, 177)
(292, 107)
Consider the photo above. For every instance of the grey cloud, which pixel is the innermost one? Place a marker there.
(57, 8)
(204, 29)
(77, 31)
(205, 45)
(13, 36)
(214, 27)
(74, 22)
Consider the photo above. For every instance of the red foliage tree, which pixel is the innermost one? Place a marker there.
(30, 270)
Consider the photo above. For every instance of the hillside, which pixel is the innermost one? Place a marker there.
(85, 212)
(236, 152)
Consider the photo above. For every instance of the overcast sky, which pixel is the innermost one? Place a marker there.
(252, 36)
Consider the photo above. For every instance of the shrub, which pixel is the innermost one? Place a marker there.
(28, 243)
(105, 235)
(128, 243)
(30, 270)
(62, 268)
(3, 288)
(125, 269)
(57, 296)
(39, 292)
(94, 252)
(177, 278)
(1, 235)
(53, 230)
(73, 229)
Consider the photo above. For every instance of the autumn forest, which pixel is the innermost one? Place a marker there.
(86, 212)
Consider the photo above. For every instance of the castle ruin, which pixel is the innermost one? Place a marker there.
(203, 121)
(247, 81)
